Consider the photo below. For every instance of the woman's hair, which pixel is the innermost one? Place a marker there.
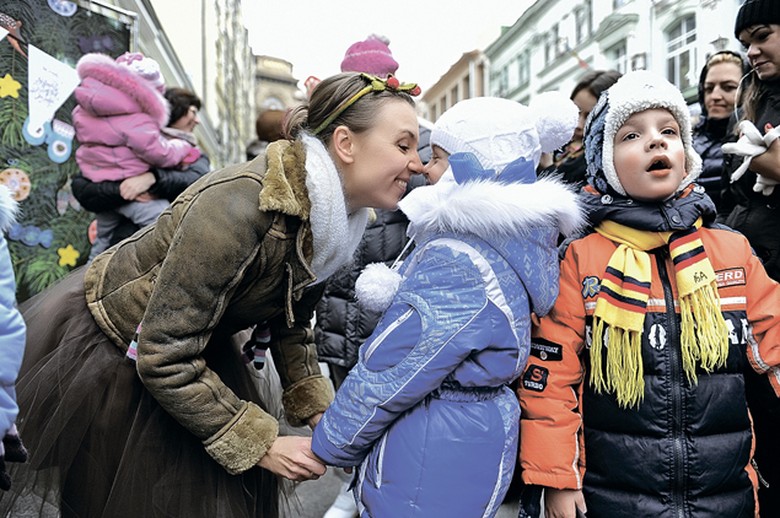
(329, 95)
(180, 100)
(595, 82)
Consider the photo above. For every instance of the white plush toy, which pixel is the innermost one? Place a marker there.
(749, 145)
(497, 132)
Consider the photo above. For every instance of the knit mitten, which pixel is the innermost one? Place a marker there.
(12, 450)
(751, 144)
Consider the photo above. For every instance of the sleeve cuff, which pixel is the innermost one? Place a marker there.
(241, 443)
(306, 398)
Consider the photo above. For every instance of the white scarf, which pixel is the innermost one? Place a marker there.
(336, 234)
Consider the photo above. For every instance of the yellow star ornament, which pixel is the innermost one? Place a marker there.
(9, 87)
(68, 256)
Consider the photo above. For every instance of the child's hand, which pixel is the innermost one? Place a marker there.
(190, 158)
(564, 503)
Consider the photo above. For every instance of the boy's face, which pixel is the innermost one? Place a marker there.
(649, 155)
(436, 166)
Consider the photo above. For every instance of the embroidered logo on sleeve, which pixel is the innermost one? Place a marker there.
(730, 277)
(546, 351)
(535, 378)
(590, 286)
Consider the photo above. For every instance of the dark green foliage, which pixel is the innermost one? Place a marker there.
(37, 267)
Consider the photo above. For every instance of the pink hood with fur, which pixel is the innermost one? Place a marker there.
(118, 121)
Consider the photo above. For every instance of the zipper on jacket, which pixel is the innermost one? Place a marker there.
(676, 375)
(379, 339)
(380, 461)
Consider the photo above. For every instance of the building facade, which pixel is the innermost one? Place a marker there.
(555, 42)
(275, 86)
(465, 79)
(208, 52)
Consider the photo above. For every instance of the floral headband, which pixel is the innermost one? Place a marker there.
(376, 84)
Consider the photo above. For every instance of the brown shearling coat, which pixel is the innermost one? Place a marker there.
(232, 251)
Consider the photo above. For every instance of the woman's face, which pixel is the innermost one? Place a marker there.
(585, 101)
(763, 50)
(188, 121)
(383, 158)
(720, 89)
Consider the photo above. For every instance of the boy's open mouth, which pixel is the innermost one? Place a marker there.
(659, 164)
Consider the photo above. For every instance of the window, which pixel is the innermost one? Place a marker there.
(618, 56)
(454, 97)
(523, 68)
(503, 82)
(466, 87)
(681, 53)
(583, 22)
(551, 45)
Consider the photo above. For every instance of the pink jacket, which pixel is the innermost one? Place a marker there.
(118, 121)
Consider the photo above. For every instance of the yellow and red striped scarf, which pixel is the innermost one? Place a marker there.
(618, 320)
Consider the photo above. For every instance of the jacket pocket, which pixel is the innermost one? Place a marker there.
(376, 342)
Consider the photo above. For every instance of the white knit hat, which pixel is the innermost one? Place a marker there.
(145, 67)
(635, 92)
(499, 131)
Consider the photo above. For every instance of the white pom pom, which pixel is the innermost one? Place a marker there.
(556, 118)
(376, 286)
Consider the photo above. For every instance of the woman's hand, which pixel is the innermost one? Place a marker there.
(563, 503)
(291, 457)
(131, 188)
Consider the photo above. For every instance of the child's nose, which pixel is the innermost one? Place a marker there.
(656, 141)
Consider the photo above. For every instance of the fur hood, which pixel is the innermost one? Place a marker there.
(8, 209)
(105, 70)
(488, 209)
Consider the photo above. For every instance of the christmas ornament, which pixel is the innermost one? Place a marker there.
(9, 87)
(17, 181)
(57, 134)
(63, 7)
(12, 27)
(68, 256)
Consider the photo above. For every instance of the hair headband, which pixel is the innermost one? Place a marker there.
(376, 84)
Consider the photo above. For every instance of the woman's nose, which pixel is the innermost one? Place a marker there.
(415, 164)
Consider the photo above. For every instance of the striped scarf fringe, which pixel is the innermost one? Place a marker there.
(618, 320)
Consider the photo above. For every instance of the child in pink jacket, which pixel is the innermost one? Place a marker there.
(119, 117)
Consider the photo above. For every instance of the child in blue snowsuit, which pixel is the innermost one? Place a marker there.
(426, 413)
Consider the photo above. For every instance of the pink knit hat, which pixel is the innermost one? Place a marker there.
(144, 67)
(371, 56)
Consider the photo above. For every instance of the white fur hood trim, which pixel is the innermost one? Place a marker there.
(8, 209)
(488, 208)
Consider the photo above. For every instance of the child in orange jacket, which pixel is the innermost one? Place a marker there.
(638, 369)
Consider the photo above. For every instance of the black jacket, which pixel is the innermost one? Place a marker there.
(708, 137)
(103, 196)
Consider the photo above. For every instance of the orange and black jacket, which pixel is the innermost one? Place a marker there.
(685, 450)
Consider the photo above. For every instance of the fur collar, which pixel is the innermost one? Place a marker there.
(284, 185)
(102, 68)
(489, 209)
(8, 208)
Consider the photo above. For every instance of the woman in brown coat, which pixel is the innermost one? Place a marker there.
(134, 397)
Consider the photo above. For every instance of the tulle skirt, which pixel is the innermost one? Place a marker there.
(100, 445)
